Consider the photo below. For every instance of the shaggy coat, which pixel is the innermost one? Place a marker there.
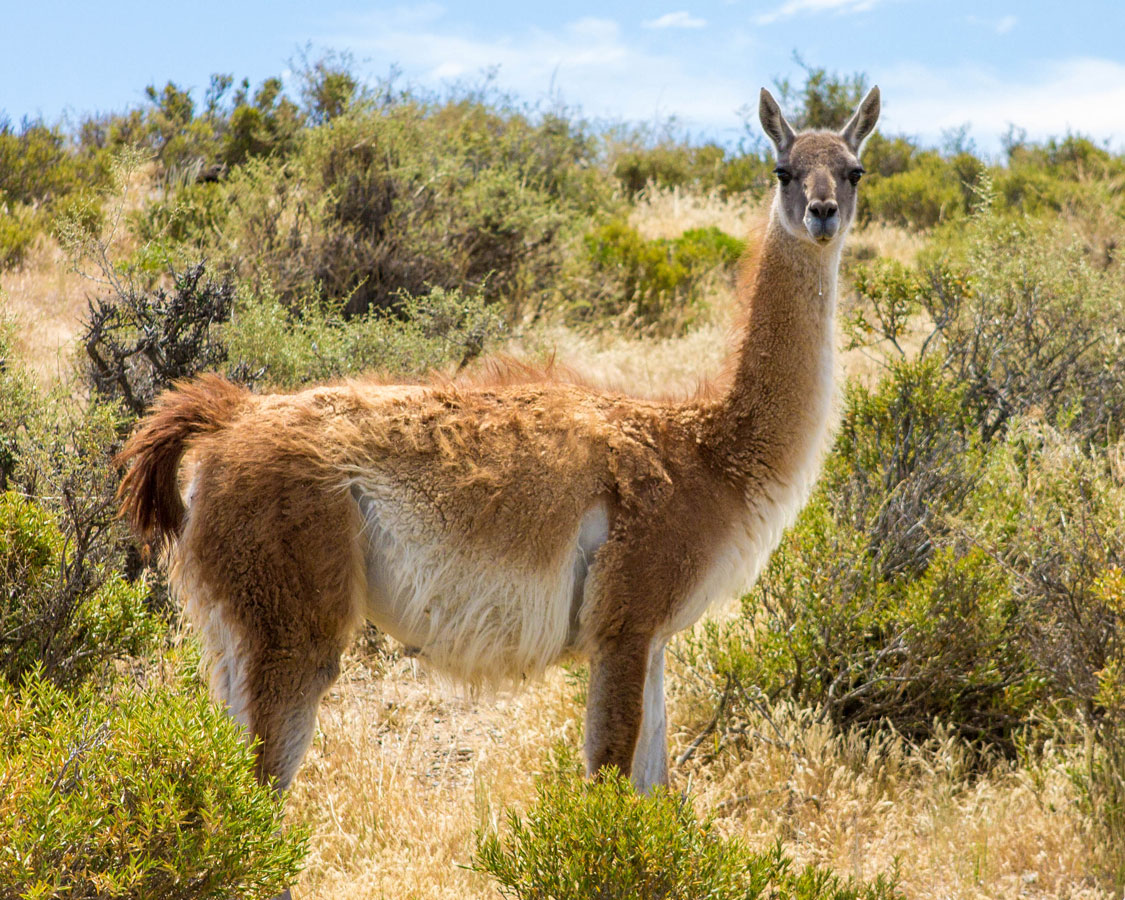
(497, 527)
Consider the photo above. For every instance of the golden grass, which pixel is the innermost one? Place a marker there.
(402, 773)
(48, 294)
(857, 805)
(669, 212)
(47, 299)
(878, 239)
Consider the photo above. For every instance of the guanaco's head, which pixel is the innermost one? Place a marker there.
(817, 171)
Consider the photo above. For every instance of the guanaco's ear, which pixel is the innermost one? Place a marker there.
(861, 124)
(774, 124)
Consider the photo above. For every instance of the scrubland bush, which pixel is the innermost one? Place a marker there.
(956, 567)
(638, 164)
(145, 793)
(599, 838)
(108, 790)
(650, 284)
(139, 342)
(18, 229)
(889, 602)
(873, 609)
(399, 197)
(919, 197)
(288, 348)
(65, 605)
(44, 178)
(59, 609)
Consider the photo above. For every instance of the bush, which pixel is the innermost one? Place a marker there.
(64, 603)
(139, 342)
(946, 571)
(58, 610)
(286, 348)
(400, 196)
(1027, 323)
(145, 794)
(18, 230)
(585, 839)
(873, 610)
(668, 163)
(926, 193)
(18, 401)
(43, 178)
(651, 284)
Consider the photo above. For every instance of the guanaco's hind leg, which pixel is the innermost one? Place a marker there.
(286, 685)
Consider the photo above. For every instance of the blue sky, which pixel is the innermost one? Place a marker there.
(1047, 67)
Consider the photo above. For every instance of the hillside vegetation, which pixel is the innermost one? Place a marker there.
(924, 695)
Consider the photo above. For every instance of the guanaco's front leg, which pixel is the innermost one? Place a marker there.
(625, 724)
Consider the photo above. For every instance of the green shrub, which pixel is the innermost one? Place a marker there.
(145, 794)
(946, 569)
(287, 348)
(65, 603)
(1100, 776)
(637, 164)
(652, 284)
(926, 193)
(18, 230)
(401, 196)
(874, 609)
(38, 164)
(79, 214)
(1026, 322)
(60, 610)
(585, 839)
(266, 125)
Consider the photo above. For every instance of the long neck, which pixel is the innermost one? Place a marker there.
(774, 420)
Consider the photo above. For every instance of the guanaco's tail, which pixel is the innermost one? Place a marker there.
(149, 493)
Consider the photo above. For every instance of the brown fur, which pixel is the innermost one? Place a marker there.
(274, 553)
(150, 500)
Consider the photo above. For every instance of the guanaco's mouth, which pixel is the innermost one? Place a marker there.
(822, 230)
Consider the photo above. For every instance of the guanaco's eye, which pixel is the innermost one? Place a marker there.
(783, 175)
(854, 175)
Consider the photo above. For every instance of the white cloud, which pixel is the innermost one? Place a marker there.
(796, 7)
(592, 63)
(1001, 26)
(1080, 95)
(680, 19)
(587, 61)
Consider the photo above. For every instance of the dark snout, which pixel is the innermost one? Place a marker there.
(822, 219)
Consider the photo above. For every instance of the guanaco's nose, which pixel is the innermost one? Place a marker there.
(823, 209)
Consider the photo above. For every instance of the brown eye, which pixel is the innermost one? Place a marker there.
(783, 175)
(854, 175)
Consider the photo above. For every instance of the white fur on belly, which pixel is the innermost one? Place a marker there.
(469, 612)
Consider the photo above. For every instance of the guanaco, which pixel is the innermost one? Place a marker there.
(500, 525)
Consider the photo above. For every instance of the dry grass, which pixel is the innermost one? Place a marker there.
(859, 805)
(880, 240)
(669, 212)
(47, 295)
(47, 299)
(403, 772)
